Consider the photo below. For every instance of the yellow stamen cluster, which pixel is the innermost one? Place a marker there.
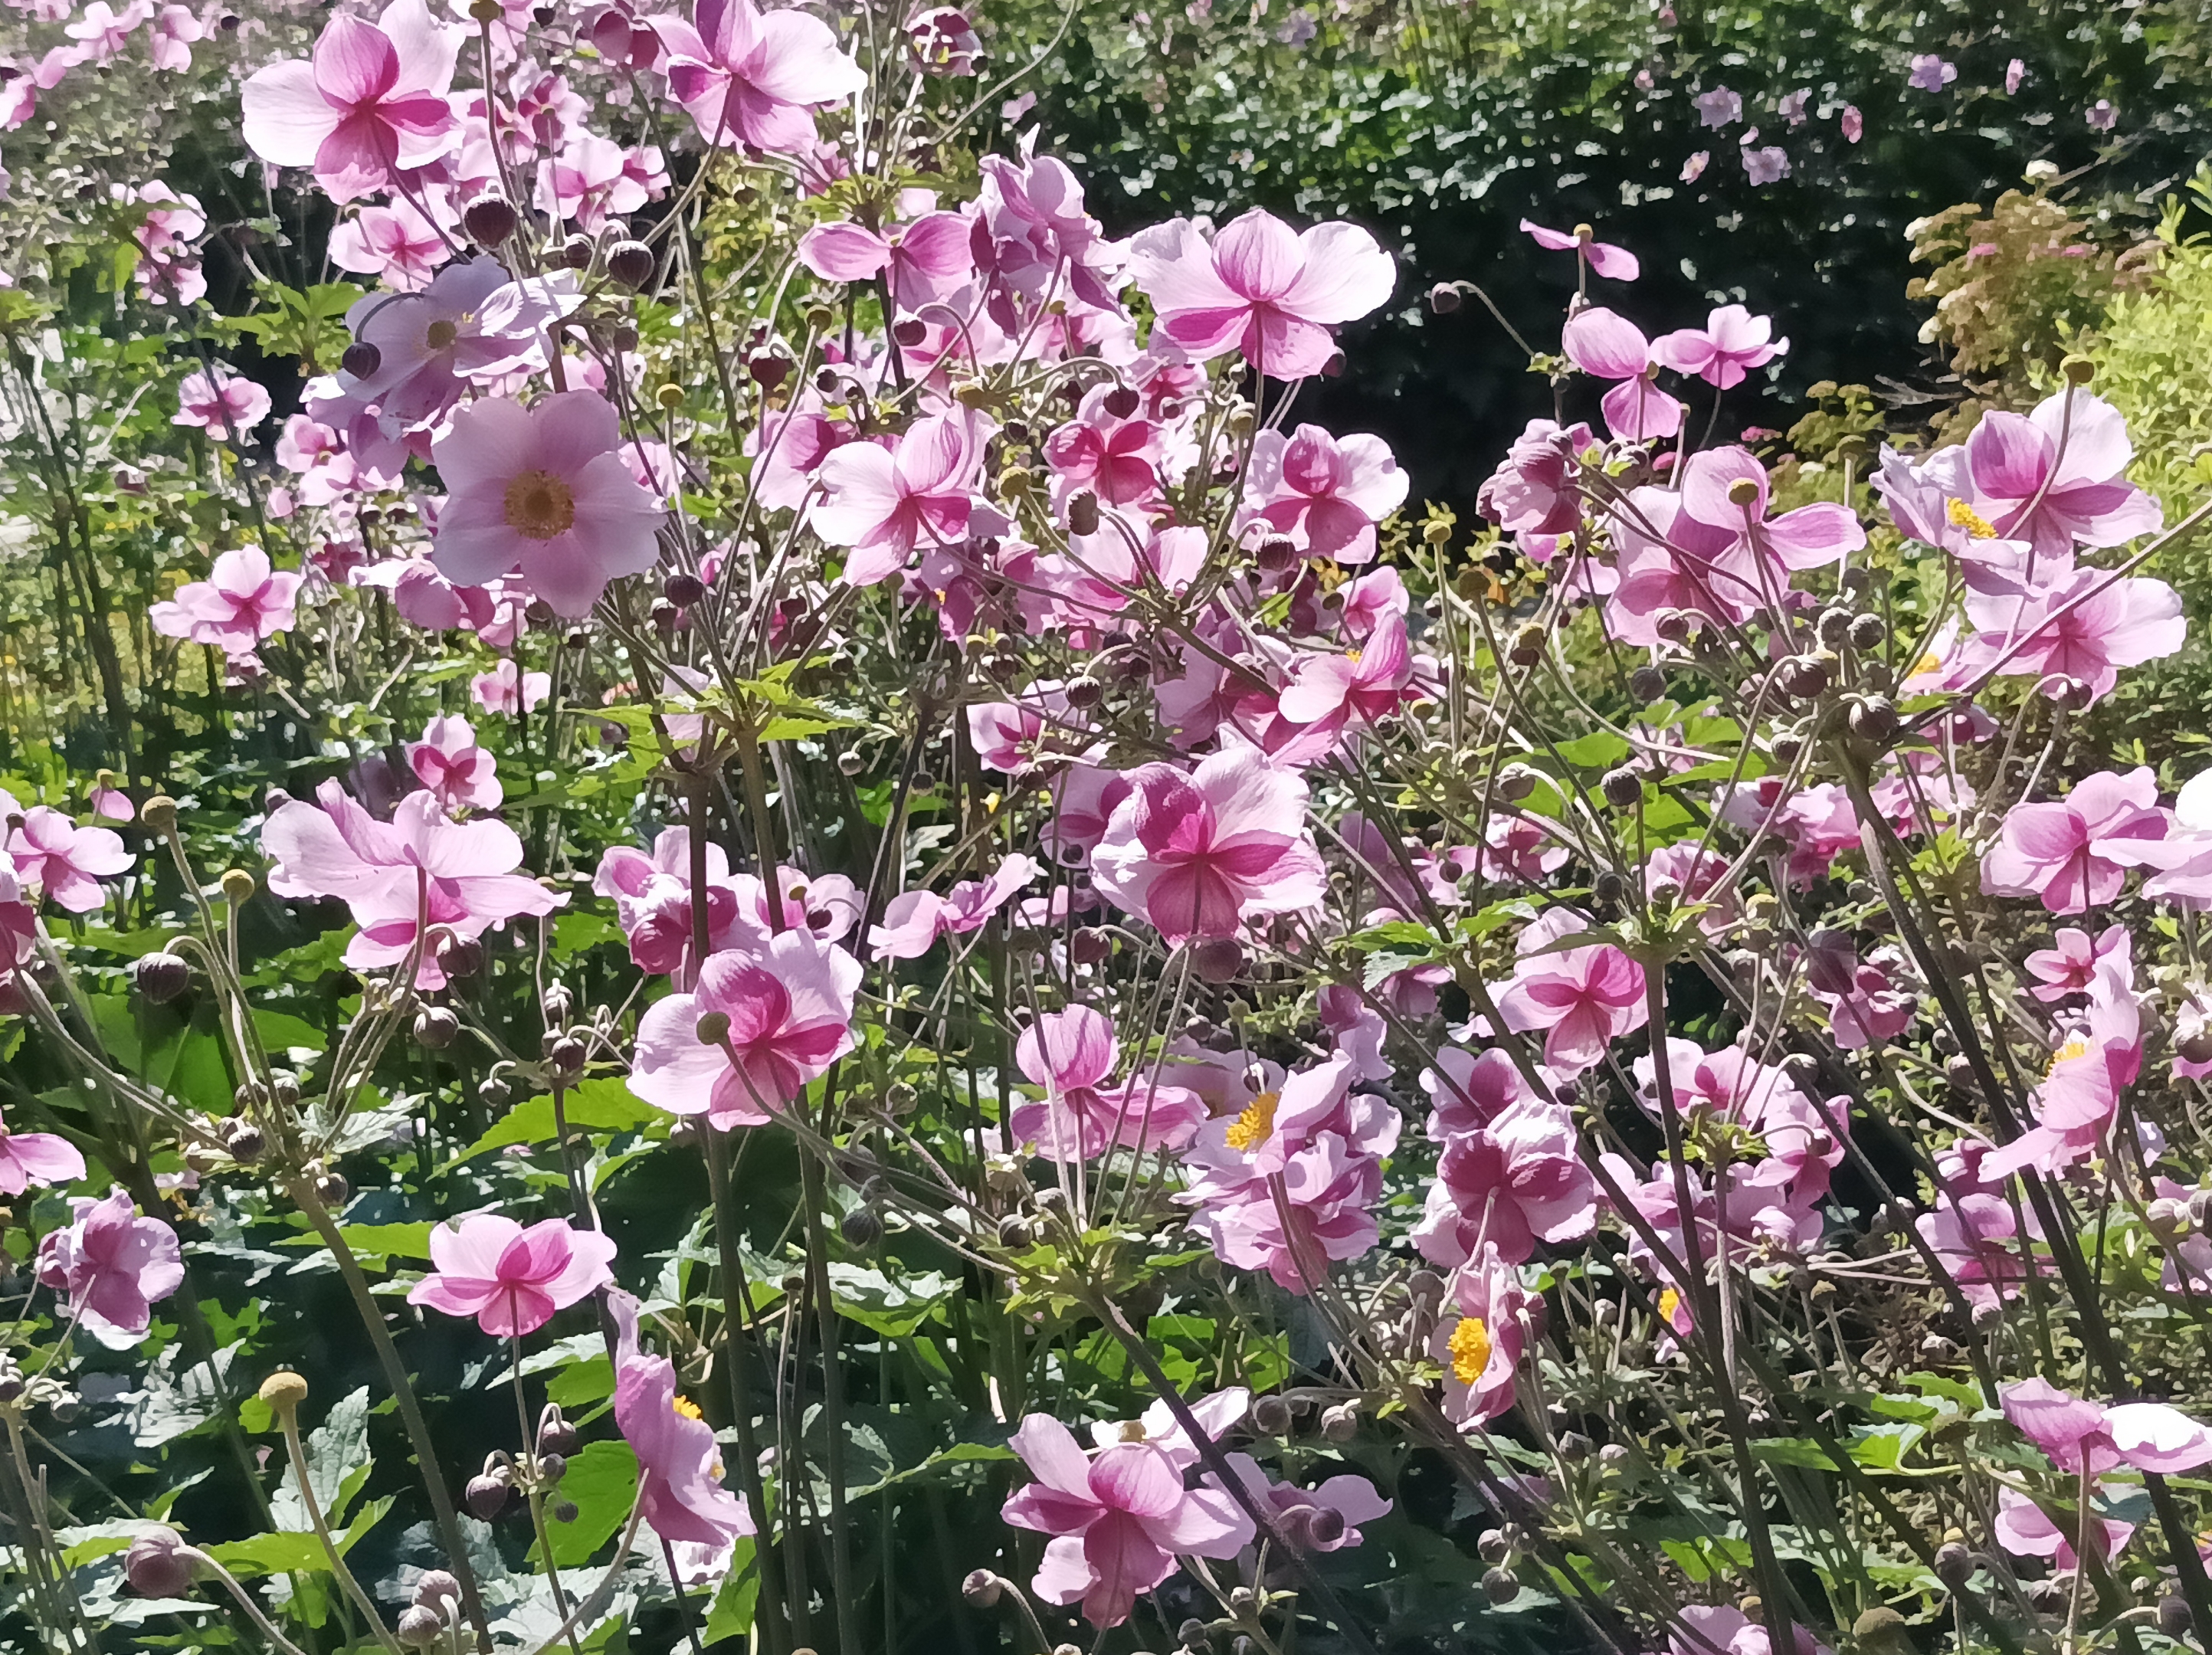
(1470, 1350)
(687, 1408)
(1250, 1130)
(1964, 517)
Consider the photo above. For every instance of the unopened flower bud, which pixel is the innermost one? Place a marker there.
(238, 886)
(1091, 946)
(489, 219)
(485, 1496)
(1218, 959)
(1622, 788)
(1867, 632)
(1325, 1525)
(1340, 1423)
(629, 265)
(1016, 1233)
(565, 1511)
(567, 1055)
(1874, 719)
(1646, 684)
(1444, 298)
(495, 1093)
(361, 359)
(1673, 624)
(1271, 1416)
(161, 977)
(1499, 1585)
(244, 1141)
(683, 588)
(557, 1438)
(1516, 782)
(2196, 1047)
(1193, 1634)
(419, 1628)
(1833, 628)
(435, 1587)
(576, 252)
(2072, 695)
(1954, 1564)
(1527, 648)
(159, 1565)
(435, 1028)
(862, 1227)
(332, 1190)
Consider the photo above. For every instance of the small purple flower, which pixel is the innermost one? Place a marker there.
(1298, 29)
(1853, 123)
(2102, 116)
(1791, 106)
(1931, 73)
(1718, 108)
(1694, 168)
(1766, 163)
(2016, 72)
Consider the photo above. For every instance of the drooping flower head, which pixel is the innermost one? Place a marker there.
(113, 1266)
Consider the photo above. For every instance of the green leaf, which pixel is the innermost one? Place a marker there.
(602, 1480)
(337, 1465)
(599, 1105)
(1598, 749)
(731, 1616)
(281, 1551)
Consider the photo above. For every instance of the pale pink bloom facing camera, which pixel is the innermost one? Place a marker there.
(372, 102)
(751, 1035)
(63, 860)
(223, 407)
(544, 492)
(242, 601)
(753, 78)
(459, 774)
(1732, 342)
(510, 1279)
(1262, 287)
(113, 1266)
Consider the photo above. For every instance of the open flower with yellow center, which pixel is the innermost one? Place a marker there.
(546, 492)
(1964, 517)
(1470, 1350)
(1251, 1128)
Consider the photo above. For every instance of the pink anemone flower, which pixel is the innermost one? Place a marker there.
(458, 774)
(914, 920)
(1583, 998)
(1197, 855)
(679, 1466)
(544, 491)
(2073, 853)
(881, 502)
(2058, 475)
(65, 861)
(242, 601)
(223, 406)
(1071, 1054)
(1262, 287)
(36, 1158)
(1118, 1520)
(1732, 342)
(1615, 264)
(752, 1034)
(1326, 493)
(753, 78)
(510, 1279)
(114, 1266)
(372, 102)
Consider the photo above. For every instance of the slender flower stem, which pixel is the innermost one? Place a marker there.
(287, 1420)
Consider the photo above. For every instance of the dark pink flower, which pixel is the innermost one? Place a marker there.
(1732, 342)
(64, 861)
(371, 104)
(1118, 1520)
(752, 1033)
(653, 897)
(510, 1279)
(1507, 1184)
(113, 1266)
(1489, 1318)
(1262, 287)
(1532, 492)
(460, 774)
(880, 503)
(1197, 855)
(242, 601)
(2058, 476)
(1616, 263)
(679, 1465)
(1583, 998)
(1326, 493)
(746, 77)
(543, 492)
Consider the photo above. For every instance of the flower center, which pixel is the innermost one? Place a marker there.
(1964, 517)
(1470, 1350)
(1132, 1430)
(1669, 1302)
(1250, 1130)
(2076, 1047)
(539, 505)
(440, 334)
(686, 1407)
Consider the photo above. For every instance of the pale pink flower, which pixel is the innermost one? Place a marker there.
(2016, 72)
(242, 601)
(749, 78)
(1718, 108)
(1327, 494)
(101, 32)
(1325, 1518)
(2070, 965)
(653, 897)
(64, 861)
(510, 1279)
(508, 689)
(1608, 346)
(1583, 998)
(1931, 73)
(914, 920)
(2085, 626)
(917, 260)
(1617, 264)
(420, 867)
(1732, 342)
(370, 105)
(1200, 855)
(395, 243)
(2073, 853)
(459, 775)
(113, 1266)
(175, 29)
(222, 407)
(1694, 168)
(2078, 1098)
(2058, 475)
(753, 1032)
(880, 503)
(1533, 490)
(1118, 1519)
(35, 1159)
(2102, 116)
(1853, 124)
(543, 491)
(1072, 1054)
(2024, 1530)
(1765, 163)
(679, 1490)
(1262, 287)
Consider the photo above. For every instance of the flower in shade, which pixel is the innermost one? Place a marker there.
(1718, 108)
(2102, 116)
(544, 492)
(753, 78)
(1732, 342)
(242, 601)
(752, 1034)
(914, 920)
(1694, 168)
(222, 404)
(1930, 73)
(1325, 1518)
(1071, 1054)
(1198, 854)
(63, 860)
(113, 1266)
(1262, 287)
(509, 1278)
(2016, 72)
(1765, 163)
(35, 1157)
(1617, 264)
(1853, 123)
(370, 104)
(459, 774)
(680, 1494)
(1118, 1519)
